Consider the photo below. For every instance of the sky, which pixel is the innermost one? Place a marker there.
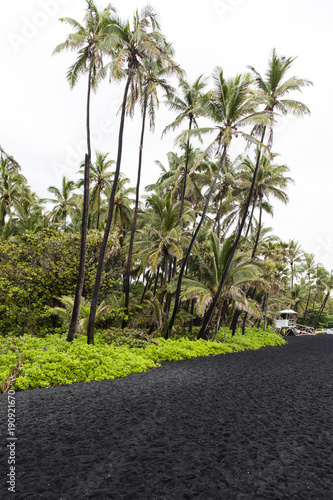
(43, 120)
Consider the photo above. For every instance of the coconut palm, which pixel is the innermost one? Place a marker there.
(271, 92)
(13, 188)
(230, 106)
(89, 40)
(152, 77)
(63, 201)
(207, 269)
(188, 104)
(100, 179)
(271, 181)
(161, 235)
(142, 41)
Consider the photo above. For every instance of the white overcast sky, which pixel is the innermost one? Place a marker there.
(43, 121)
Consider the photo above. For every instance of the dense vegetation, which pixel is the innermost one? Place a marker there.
(28, 362)
(190, 256)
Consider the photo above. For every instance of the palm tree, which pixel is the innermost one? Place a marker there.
(13, 188)
(295, 254)
(231, 106)
(189, 107)
(152, 78)
(208, 268)
(90, 41)
(64, 201)
(160, 234)
(270, 182)
(273, 89)
(137, 44)
(271, 92)
(100, 179)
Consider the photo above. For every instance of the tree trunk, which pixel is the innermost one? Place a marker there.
(266, 307)
(251, 217)
(210, 312)
(84, 226)
(98, 207)
(194, 237)
(93, 307)
(127, 273)
(320, 312)
(185, 171)
(259, 229)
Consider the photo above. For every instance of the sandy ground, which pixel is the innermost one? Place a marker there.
(249, 425)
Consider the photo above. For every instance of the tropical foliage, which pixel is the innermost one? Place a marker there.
(190, 255)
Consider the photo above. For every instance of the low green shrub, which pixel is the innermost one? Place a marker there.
(42, 362)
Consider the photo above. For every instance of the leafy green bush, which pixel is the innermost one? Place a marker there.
(52, 361)
(37, 268)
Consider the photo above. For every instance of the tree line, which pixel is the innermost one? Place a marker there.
(193, 252)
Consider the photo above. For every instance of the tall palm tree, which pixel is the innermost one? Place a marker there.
(271, 181)
(188, 104)
(271, 92)
(90, 41)
(230, 106)
(151, 78)
(142, 41)
(206, 271)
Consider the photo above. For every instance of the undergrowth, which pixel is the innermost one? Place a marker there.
(29, 361)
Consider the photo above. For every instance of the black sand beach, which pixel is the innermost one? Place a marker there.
(249, 425)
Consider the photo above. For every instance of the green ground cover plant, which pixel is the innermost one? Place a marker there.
(29, 361)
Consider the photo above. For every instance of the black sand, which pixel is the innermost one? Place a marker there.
(250, 425)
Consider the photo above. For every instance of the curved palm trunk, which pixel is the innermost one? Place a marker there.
(84, 227)
(321, 310)
(185, 171)
(93, 307)
(194, 237)
(209, 314)
(126, 281)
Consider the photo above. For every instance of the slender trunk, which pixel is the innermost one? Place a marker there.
(321, 310)
(156, 280)
(194, 237)
(84, 227)
(209, 314)
(93, 307)
(265, 315)
(191, 320)
(251, 217)
(185, 171)
(234, 322)
(258, 231)
(146, 287)
(127, 273)
(98, 207)
(307, 305)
